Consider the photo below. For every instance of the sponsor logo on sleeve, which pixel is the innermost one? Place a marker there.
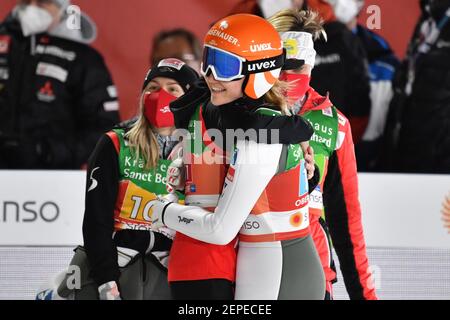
(111, 106)
(56, 51)
(51, 71)
(46, 93)
(341, 120)
(184, 220)
(230, 174)
(94, 182)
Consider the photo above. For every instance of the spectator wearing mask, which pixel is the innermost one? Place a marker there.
(56, 93)
(341, 64)
(121, 257)
(341, 67)
(419, 118)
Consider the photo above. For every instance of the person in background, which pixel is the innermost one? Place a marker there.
(382, 65)
(266, 8)
(341, 68)
(126, 171)
(418, 125)
(177, 43)
(56, 93)
(247, 6)
(341, 64)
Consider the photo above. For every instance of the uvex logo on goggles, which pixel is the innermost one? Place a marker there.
(226, 66)
(262, 66)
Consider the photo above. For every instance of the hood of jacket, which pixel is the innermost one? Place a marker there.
(78, 27)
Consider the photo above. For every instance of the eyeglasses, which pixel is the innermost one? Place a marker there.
(224, 65)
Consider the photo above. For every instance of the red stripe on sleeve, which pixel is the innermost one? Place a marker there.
(115, 139)
(348, 172)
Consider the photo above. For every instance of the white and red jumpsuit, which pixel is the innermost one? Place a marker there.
(268, 208)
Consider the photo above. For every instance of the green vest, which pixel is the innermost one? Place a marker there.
(137, 187)
(326, 125)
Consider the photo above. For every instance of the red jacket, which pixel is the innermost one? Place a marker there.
(342, 209)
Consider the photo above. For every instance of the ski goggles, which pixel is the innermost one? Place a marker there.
(226, 66)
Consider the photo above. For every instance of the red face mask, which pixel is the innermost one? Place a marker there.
(156, 108)
(299, 83)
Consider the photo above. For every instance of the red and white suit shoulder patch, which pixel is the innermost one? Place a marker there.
(342, 120)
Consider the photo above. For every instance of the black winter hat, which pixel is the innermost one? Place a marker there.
(173, 69)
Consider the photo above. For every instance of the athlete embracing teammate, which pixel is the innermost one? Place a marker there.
(338, 187)
(260, 193)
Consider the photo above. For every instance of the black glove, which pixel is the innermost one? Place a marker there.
(142, 241)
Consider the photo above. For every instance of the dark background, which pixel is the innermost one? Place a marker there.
(126, 28)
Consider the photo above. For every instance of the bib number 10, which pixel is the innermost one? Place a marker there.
(137, 205)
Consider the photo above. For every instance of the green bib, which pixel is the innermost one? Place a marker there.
(325, 124)
(133, 169)
(196, 131)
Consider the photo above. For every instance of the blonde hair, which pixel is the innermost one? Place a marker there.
(292, 20)
(299, 20)
(142, 140)
(276, 96)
